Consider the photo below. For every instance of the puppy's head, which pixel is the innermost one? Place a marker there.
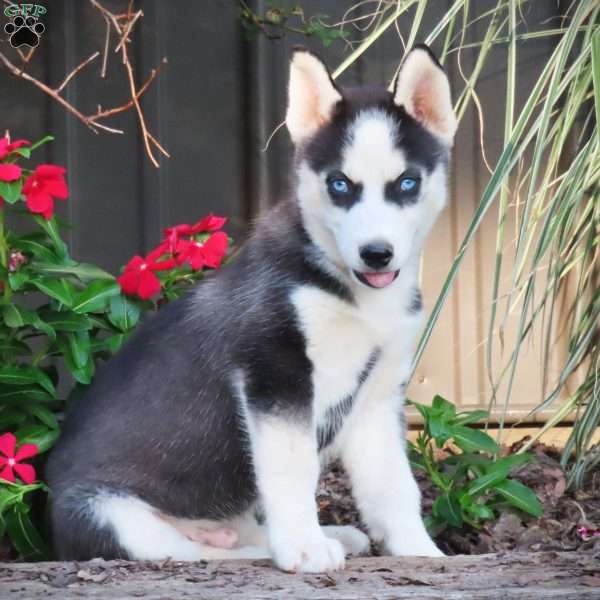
(371, 163)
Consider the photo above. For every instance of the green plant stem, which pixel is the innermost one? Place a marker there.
(423, 441)
(6, 292)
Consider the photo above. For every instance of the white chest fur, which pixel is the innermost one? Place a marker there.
(341, 339)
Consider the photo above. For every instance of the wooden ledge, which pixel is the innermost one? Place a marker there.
(531, 576)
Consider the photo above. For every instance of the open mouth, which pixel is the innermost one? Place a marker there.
(377, 280)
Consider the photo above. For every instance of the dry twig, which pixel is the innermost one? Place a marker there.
(123, 25)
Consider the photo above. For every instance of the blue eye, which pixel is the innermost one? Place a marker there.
(340, 186)
(408, 184)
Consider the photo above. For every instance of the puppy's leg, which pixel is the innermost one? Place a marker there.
(144, 535)
(353, 539)
(287, 469)
(211, 533)
(387, 494)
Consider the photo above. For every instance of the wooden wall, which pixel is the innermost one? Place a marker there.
(214, 106)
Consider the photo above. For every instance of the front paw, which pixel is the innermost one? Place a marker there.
(313, 555)
(413, 545)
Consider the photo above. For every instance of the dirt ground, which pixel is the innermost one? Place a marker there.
(557, 530)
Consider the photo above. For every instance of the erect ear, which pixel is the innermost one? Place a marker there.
(311, 95)
(423, 90)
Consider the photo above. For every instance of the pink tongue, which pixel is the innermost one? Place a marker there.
(379, 280)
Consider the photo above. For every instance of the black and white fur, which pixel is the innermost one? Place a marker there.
(228, 401)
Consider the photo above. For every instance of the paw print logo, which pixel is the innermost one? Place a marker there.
(24, 31)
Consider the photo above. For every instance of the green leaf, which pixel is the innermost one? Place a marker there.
(471, 440)
(434, 525)
(95, 297)
(8, 496)
(79, 344)
(33, 245)
(11, 192)
(22, 395)
(472, 416)
(18, 280)
(24, 375)
(16, 316)
(24, 152)
(43, 414)
(519, 495)
(51, 228)
(596, 72)
(58, 289)
(66, 320)
(14, 348)
(509, 462)
(9, 417)
(439, 429)
(110, 344)
(447, 507)
(123, 313)
(443, 407)
(83, 271)
(40, 435)
(422, 408)
(24, 535)
(81, 372)
(480, 511)
(470, 459)
(485, 482)
(41, 142)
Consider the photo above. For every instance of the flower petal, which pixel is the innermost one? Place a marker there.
(25, 472)
(214, 249)
(9, 172)
(8, 443)
(57, 188)
(17, 144)
(4, 147)
(164, 265)
(208, 223)
(26, 451)
(149, 285)
(40, 202)
(155, 254)
(135, 263)
(7, 474)
(129, 281)
(50, 171)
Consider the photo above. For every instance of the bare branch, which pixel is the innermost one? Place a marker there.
(74, 72)
(106, 44)
(48, 90)
(123, 25)
(127, 30)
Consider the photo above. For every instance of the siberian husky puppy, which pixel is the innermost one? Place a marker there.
(227, 401)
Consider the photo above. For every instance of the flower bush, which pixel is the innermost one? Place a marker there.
(59, 317)
(472, 480)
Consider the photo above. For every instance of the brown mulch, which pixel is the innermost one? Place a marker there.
(557, 530)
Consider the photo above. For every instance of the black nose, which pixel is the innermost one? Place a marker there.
(377, 255)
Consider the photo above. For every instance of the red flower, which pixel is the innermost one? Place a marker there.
(10, 462)
(207, 254)
(9, 172)
(208, 223)
(42, 186)
(139, 279)
(6, 147)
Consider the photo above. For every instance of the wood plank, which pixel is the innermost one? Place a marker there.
(533, 576)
